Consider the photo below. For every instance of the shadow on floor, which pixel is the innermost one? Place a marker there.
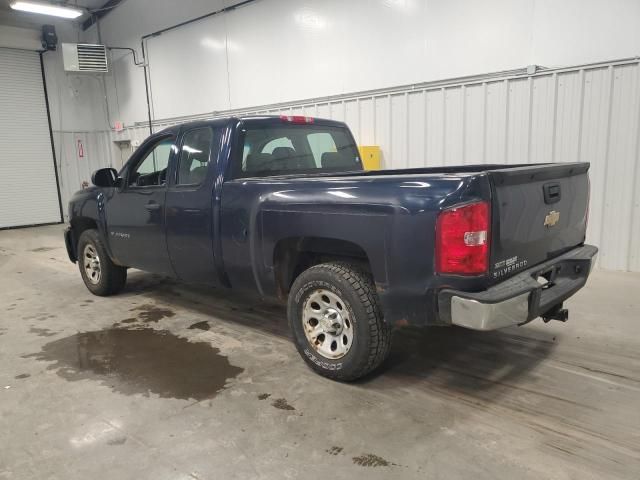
(462, 364)
(481, 365)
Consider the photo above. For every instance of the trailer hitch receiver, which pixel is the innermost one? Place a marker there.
(556, 313)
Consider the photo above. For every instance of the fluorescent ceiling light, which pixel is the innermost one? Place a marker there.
(47, 9)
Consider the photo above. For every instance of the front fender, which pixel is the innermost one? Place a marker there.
(87, 210)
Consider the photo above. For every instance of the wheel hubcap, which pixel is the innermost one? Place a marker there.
(327, 324)
(92, 264)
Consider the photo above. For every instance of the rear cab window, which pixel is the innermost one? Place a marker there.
(283, 148)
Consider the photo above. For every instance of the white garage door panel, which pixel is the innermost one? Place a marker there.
(28, 192)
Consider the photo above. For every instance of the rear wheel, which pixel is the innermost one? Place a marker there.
(336, 321)
(100, 275)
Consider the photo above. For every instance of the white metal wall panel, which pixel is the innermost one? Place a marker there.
(621, 161)
(453, 126)
(415, 129)
(281, 50)
(28, 192)
(543, 120)
(586, 113)
(474, 131)
(98, 151)
(366, 129)
(399, 127)
(568, 116)
(496, 122)
(518, 121)
(594, 141)
(382, 126)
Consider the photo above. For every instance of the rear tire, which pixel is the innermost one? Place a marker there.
(336, 321)
(100, 275)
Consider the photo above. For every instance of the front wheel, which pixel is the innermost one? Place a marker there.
(336, 320)
(100, 275)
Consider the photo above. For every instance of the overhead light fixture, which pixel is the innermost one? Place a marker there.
(47, 9)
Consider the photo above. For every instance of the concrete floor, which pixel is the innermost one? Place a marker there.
(174, 381)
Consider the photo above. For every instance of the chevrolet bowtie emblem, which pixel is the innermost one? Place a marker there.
(551, 219)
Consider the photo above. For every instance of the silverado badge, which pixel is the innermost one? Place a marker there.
(551, 219)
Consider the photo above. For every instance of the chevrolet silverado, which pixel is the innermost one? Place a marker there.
(281, 206)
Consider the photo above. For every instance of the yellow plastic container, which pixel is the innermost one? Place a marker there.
(371, 156)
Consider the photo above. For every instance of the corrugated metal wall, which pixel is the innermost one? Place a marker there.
(586, 113)
(73, 169)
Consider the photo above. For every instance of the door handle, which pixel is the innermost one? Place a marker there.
(152, 206)
(551, 193)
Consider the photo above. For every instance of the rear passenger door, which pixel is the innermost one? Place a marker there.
(189, 206)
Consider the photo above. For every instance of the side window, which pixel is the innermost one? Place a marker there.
(194, 156)
(152, 169)
(275, 143)
(320, 143)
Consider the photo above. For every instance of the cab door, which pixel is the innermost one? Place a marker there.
(135, 213)
(190, 206)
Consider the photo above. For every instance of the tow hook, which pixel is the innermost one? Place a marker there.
(556, 313)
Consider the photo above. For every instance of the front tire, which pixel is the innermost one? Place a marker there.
(100, 275)
(336, 321)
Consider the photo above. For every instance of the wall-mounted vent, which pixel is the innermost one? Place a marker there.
(84, 57)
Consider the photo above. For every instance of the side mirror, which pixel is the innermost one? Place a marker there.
(105, 177)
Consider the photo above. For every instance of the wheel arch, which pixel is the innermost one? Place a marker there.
(78, 226)
(293, 255)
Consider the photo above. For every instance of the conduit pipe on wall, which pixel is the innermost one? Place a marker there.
(147, 76)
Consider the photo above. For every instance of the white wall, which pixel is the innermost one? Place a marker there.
(281, 50)
(77, 109)
(76, 101)
(123, 28)
(77, 104)
(276, 51)
(589, 113)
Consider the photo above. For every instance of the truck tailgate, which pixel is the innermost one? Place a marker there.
(538, 212)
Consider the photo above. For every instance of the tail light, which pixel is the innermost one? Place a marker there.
(296, 119)
(462, 240)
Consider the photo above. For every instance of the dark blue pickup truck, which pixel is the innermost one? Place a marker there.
(282, 207)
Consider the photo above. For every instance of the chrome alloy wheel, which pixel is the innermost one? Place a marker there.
(92, 264)
(327, 324)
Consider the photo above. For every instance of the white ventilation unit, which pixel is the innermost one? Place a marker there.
(84, 57)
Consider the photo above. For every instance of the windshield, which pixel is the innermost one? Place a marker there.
(270, 150)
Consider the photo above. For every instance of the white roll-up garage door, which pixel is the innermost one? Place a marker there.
(28, 189)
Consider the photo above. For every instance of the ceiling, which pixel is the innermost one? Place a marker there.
(34, 20)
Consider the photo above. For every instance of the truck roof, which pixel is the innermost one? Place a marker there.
(248, 118)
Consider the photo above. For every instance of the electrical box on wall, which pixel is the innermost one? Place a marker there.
(371, 157)
(84, 57)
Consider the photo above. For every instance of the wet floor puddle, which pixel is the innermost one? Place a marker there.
(152, 313)
(200, 326)
(141, 361)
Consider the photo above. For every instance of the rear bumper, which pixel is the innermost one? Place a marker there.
(521, 298)
(69, 241)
